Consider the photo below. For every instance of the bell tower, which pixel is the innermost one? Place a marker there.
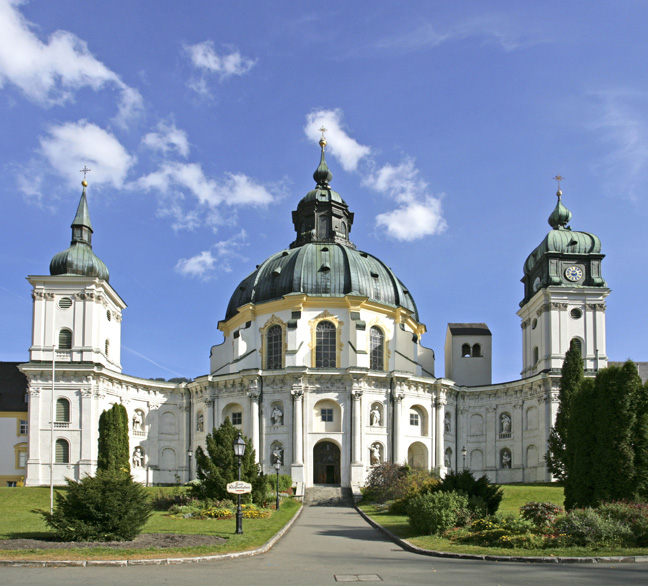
(564, 298)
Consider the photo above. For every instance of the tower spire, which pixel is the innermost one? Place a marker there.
(561, 215)
(322, 174)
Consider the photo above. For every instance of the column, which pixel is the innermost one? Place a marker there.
(398, 428)
(297, 467)
(357, 427)
(440, 428)
(254, 420)
(33, 471)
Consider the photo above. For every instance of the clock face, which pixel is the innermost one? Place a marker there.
(573, 273)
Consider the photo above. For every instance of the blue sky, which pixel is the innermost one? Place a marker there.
(447, 122)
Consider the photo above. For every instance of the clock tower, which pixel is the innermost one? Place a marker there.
(564, 298)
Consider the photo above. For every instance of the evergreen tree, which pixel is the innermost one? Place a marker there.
(114, 451)
(557, 456)
(218, 466)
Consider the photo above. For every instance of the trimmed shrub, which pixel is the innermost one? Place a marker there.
(542, 515)
(433, 513)
(585, 527)
(465, 482)
(110, 506)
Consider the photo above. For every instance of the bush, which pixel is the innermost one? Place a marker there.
(465, 482)
(585, 527)
(542, 515)
(110, 506)
(285, 482)
(634, 515)
(510, 532)
(433, 513)
(394, 482)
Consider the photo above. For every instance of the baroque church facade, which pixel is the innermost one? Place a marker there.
(321, 366)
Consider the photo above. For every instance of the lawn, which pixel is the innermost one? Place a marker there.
(18, 521)
(515, 495)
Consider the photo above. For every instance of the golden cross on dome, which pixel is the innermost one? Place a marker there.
(323, 130)
(85, 171)
(559, 178)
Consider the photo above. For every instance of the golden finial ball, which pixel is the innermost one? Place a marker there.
(559, 193)
(322, 142)
(84, 183)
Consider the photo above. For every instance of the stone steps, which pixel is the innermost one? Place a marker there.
(328, 496)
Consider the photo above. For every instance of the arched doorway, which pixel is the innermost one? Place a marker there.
(326, 463)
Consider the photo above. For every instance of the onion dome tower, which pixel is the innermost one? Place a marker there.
(564, 294)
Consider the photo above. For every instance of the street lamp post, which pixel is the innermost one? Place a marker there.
(464, 451)
(277, 465)
(239, 451)
(189, 455)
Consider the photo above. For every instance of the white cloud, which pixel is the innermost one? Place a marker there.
(620, 124)
(204, 57)
(218, 258)
(50, 73)
(342, 147)
(414, 220)
(69, 146)
(398, 181)
(166, 139)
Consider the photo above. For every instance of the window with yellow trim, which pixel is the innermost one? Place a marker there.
(376, 348)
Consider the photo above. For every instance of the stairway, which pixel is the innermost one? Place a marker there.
(328, 496)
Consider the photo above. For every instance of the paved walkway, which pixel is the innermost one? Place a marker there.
(329, 545)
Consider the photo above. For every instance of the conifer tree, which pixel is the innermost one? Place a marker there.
(557, 457)
(218, 466)
(114, 452)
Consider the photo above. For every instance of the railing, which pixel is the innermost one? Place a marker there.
(505, 435)
(61, 425)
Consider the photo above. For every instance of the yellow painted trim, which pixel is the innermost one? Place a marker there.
(16, 414)
(327, 316)
(250, 311)
(273, 321)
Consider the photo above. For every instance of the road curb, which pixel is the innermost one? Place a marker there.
(157, 561)
(501, 558)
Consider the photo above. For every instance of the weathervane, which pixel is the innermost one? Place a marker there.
(559, 178)
(85, 171)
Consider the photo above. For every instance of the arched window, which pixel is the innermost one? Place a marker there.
(62, 410)
(377, 349)
(476, 350)
(107, 346)
(465, 350)
(536, 355)
(274, 345)
(62, 452)
(323, 227)
(579, 344)
(65, 339)
(325, 338)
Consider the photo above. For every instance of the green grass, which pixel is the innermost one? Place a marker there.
(18, 521)
(515, 495)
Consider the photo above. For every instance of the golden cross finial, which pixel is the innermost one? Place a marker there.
(85, 171)
(559, 178)
(323, 130)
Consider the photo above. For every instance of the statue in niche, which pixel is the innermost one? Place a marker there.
(446, 423)
(506, 459)
(374, 457)
(374, 416)
(505, 422)
(277, 455)
(200, 423)
(276, 417)
(138, 458)
(448, 459)
(138, 421)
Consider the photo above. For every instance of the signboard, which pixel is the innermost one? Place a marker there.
(239, 487)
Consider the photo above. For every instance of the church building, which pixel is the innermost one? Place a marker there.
(322, 364)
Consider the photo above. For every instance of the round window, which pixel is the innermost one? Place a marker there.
(576, 313)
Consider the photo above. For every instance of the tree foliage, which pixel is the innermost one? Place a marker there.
(110, 506)
(218, 466)
(464, 482)
(114, 452)
(570, 383)
(607, 439)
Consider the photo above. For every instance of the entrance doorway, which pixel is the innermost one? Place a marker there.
(326, 463)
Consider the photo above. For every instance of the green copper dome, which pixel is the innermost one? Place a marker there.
(79, 259)
(322, 261)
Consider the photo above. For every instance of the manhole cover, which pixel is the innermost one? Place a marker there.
(358, 578)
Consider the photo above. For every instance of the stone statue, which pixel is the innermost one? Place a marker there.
(446, 422)
(138, 458)
(446, 460)
(506, 459)
(200, 424)
(277, 455)
(276, 417)
(374, 454)
(138, 421)
(374, 416)
(506, 423)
